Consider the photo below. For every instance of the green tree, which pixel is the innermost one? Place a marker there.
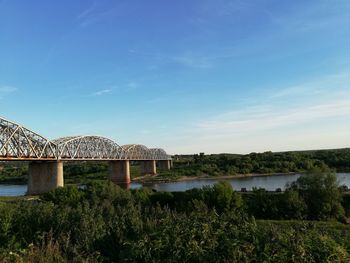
(225, 197)
(292, 205)
(320, 191)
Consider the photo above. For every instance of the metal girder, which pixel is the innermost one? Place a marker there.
(136, 152)
(141, 152)
(19, 143)
(159, 154)
(88, 147)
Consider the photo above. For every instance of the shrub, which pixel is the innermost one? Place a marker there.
(69, 195)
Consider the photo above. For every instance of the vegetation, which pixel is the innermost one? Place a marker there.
(320, 191)
(197, 165)
(13, 172)
(103, 223)
(260, 163)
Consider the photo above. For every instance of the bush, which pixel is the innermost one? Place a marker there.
(69, 195)
(224, 198)
(107, 191)
(263, 205)
(292, 205)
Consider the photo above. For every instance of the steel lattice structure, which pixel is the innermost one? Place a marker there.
(137, 152)
(158, 153)
(88, 147)
(19, 143)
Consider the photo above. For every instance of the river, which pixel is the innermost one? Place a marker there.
(269, 182)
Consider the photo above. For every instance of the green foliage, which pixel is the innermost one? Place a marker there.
(104, 223)
(6, 221)
(267, 162)
(223, 198)
(69, 195)
(13, 172)
(320, 191)
(346, 203)
(292, 205)
(314, 196)
(262, 204)
(142, 195)
(198, 165)
(97, 191)
(298, 242)
(162, 199)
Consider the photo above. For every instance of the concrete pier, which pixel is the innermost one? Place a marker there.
(44, 176)
(148, 167)
(164, 165)
(119, 172)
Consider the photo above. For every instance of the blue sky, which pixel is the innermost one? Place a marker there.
(189, 76)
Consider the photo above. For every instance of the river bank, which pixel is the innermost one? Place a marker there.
(168, 179)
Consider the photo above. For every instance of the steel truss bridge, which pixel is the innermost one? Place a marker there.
(20, 143)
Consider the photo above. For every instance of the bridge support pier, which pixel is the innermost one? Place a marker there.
(44, 176)
(119, 172)
(148, 167)
(164, 165)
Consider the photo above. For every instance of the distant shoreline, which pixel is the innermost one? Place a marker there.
(159, 179)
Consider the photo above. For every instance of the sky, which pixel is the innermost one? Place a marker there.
(189, 76)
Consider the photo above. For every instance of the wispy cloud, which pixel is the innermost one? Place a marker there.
(95, 13)
(224, 7)
(323, 85)
(296, 91)
(326, 14)
(5, 90)
(193, 61)
(325, 97)
(102, 92)
(86, 12)
(187, 59)
(120, 87)
(132, 85)
(253, 122)
(276, 125)
(309, 127)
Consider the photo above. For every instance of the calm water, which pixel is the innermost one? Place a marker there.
(12, 190)
(271, 183)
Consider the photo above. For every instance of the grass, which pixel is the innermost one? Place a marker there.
(17, 198)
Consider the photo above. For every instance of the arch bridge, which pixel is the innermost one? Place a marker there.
(46, 157)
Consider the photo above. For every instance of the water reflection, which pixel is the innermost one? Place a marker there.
(270, 183)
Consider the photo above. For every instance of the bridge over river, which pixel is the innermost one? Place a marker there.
(46, 157)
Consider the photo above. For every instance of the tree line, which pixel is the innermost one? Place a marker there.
(260, 163)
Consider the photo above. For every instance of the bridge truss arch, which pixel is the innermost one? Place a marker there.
(159, 154)
(18, 142)
(87, 148)
(137, 152)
